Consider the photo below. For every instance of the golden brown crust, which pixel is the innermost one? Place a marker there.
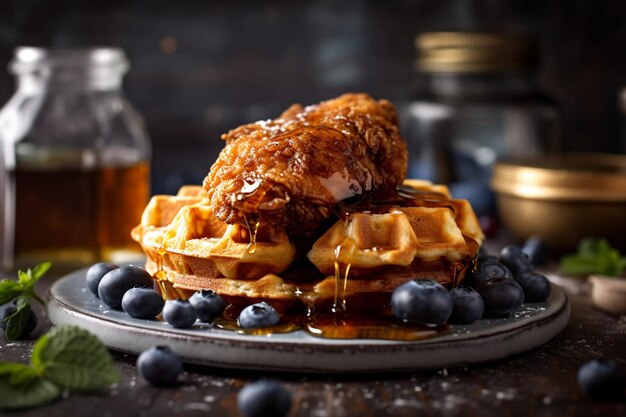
(292, 170)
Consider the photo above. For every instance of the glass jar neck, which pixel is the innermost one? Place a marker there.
(481, 85)
(68, 70)
(68, 80)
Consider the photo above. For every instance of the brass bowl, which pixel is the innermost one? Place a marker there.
(564, 198)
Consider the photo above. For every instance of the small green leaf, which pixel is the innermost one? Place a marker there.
(31, 276)
(74, 358)
(9, 289)
(24, 277)
(40, 270)
(16, 322)
(594, 256)
(25, 392)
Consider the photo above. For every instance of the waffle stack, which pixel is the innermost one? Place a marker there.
(358, 260)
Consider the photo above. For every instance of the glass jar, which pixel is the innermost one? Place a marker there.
(74, 159)
(476, 102)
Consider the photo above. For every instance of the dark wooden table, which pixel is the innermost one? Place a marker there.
(541, 382)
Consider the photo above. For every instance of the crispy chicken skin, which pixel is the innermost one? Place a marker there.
(291, 171)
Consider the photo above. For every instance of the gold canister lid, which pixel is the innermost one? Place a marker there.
(566, 177)
(474, 52)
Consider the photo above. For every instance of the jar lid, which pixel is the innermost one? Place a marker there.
(28, 58)
(565, 177)
(474, 52)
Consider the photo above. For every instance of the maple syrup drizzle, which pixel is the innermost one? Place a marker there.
(161, 275)
(462, 267)
(252, 187)
(341, 284)
(252, 231)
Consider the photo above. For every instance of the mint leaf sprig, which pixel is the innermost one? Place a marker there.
(67, 357)
(23, 291)
(594, 256)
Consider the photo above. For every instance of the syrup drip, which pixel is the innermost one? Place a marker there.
(461, 267)
(253, 230)
(339, 308)
(455, 271)
(251, 188)
(161, 275)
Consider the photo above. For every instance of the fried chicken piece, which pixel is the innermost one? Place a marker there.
(291, 171)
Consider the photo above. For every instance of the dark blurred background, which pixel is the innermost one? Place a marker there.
(200, 68)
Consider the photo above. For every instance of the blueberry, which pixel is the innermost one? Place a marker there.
(95, 274)
(468, 305)
(159, 366)
(263, 399)
(142, 303)
(114, 284)
(501, 296)
(536, 250)
(482, 259)
(31, 322)
(258, 315)
(208, 305)
(488, 268)
(179, 313)
(536, 287)
(422, 301)
(514, 259)
(601, 380)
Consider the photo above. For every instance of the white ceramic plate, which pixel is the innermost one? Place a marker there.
(70, 302)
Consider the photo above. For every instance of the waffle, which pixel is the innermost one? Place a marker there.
(384, 250)
(189, 249)
(181, 237)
